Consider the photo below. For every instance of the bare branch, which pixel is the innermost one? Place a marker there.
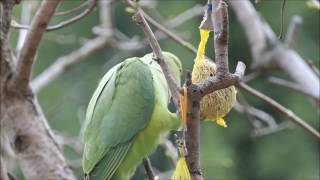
(196, 10)
(70, 11)
(173, 86)
(256, 41)
(290, 85)
(28, 8)
(251, 76)
(313, 67)
(26, 58)
(269, 131)
(105, 14)
(293, 30)
(273, 53)
(283, 4)
(65, 62)
(288, 113)
(63, 23)
(74, 19)
(170, 34)
(148, 167)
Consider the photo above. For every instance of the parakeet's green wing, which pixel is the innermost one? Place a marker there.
(123, 106)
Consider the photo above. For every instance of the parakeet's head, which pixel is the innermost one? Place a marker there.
(171, 60)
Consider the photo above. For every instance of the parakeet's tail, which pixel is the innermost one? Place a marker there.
(109, 164)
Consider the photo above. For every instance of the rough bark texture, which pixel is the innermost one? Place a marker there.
(22, 121)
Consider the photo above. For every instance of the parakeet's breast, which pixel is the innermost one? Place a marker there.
(219, 103)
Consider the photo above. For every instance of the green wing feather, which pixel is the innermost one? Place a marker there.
(121, 106)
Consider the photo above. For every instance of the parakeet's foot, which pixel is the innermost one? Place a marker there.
(221, 122)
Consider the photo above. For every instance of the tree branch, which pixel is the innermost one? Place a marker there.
(256, 44)
(173, 86)
(291, 85)
(63, 23)
(27, 12)
(65, 62)
(293, 29)
(22, 75)
(267, 50)
(288, 113)
(70, 11)
(170, 34)
(148, 167)
(197, 91)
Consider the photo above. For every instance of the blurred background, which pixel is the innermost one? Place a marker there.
(231, 153)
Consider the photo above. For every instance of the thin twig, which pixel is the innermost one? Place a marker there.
(26, 58)
(63, 23)
(268, 131)
(148, 167)
(288, 113)
(170, 34)
(70, 11)
(251, 76)
(174, 87)
(291, 85)
(196, 10)
(283, 4)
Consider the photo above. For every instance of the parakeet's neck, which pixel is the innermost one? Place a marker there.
(204, 35)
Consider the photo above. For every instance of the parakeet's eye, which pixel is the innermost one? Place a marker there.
(211, 74)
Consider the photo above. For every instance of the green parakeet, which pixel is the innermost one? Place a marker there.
(127, 117)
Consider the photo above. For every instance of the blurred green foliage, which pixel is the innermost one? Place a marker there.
(230, 153)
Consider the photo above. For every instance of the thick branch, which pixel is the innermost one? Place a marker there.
(293, 29)
(220, 21)
(6, 16)
(239, 71)
(274, 53)
(26, 58)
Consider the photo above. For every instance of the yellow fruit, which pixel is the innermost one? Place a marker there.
(216, 105)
